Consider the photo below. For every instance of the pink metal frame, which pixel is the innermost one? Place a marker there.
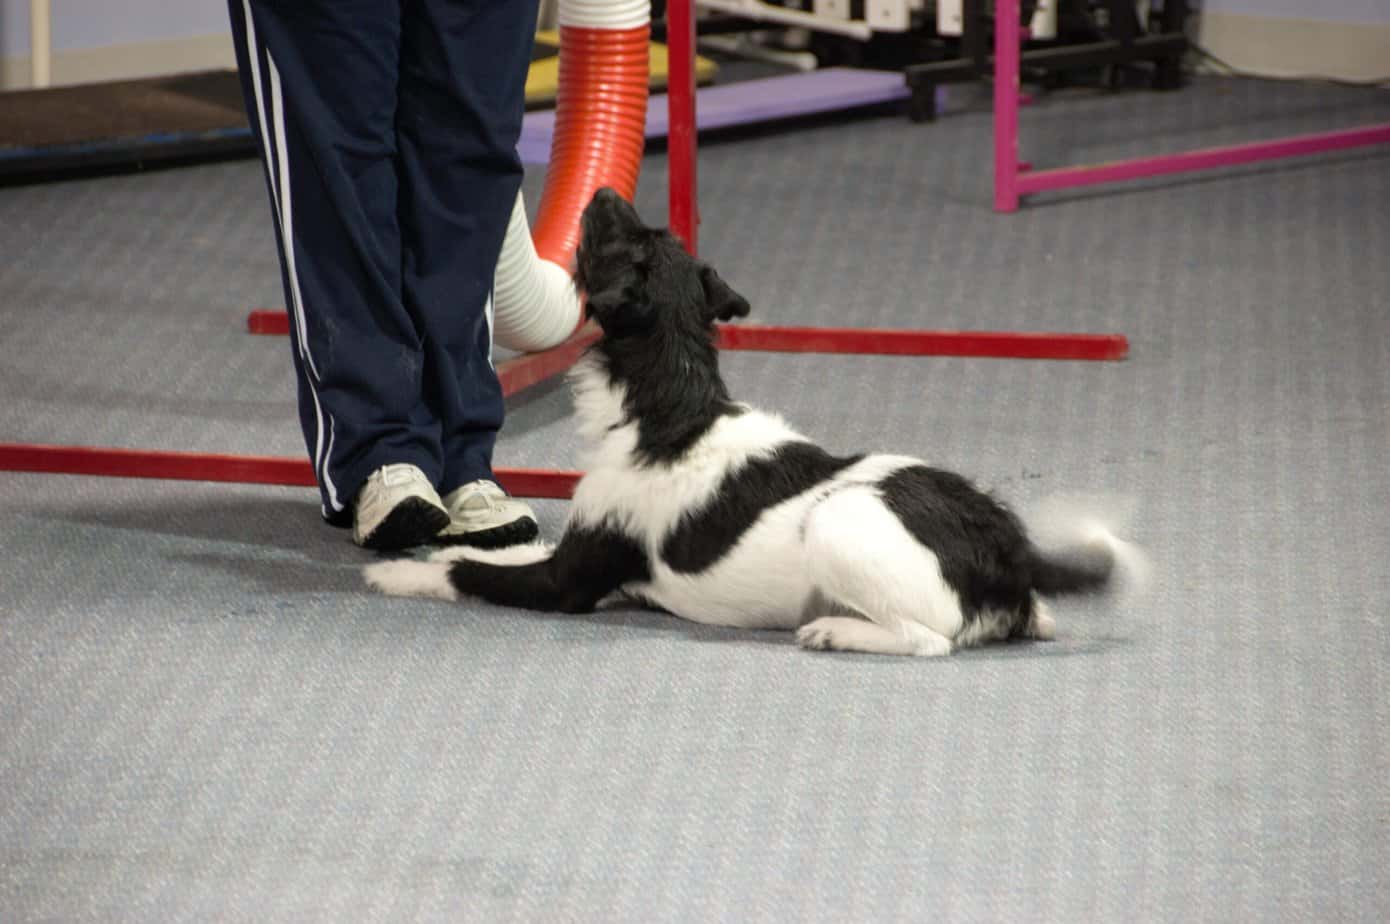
(1013, 180)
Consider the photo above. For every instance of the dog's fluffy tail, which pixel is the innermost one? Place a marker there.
(1077, 551)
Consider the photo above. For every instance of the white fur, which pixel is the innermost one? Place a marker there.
(848, 633)
(409, 578)
(650, 500)
(860, 556)
(524, 554)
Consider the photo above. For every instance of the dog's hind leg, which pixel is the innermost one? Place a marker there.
(1041, 625)
(862, 559)
(850, 633)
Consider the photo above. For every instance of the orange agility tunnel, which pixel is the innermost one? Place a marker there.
(600, 121)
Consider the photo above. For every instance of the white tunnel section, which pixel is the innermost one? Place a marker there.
(535, 303)
(605, 14)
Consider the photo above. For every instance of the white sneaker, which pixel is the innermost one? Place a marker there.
(481, 514)
(397, 508)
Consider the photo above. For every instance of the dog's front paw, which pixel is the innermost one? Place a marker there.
(818, 635)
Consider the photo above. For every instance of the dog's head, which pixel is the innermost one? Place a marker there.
(638, 280)
(657, 306)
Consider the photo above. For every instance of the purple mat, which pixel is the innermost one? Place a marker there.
(751, 101)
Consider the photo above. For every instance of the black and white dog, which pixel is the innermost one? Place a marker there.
(721, 514)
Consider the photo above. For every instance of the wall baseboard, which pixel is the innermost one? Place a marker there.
(1279, 47)
(126, 62)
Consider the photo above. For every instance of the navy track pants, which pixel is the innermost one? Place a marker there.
(388, 132)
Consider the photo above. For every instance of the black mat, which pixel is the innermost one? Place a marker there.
(98, 128)
(127, 124)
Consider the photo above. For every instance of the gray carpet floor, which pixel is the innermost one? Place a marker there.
(205, 716)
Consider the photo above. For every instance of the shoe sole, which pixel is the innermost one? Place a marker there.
(497, 537)
(414, 521)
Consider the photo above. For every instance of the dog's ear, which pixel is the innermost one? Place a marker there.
(721, 302)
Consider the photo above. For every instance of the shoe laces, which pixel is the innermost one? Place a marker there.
(482, 494)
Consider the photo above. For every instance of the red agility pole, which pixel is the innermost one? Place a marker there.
(196, 466)
(525, 371)
(1012, 180)
(979, 344)
(681, 140)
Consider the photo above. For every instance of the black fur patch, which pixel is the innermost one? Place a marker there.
(984, 553)
(706, 535)
(673, 391)
(588, 565)
(1072, 571)
(657, 306)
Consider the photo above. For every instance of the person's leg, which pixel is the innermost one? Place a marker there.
(321, 79)
(462, 96)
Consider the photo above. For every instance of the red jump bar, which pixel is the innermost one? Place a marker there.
(268, 321)
(527, 370)
(192, 466)
(923, 342)
(521, 372)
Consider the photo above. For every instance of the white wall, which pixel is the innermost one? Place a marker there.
(1363, 11)
(113, 39)
(1348, 39)
(94, 23)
